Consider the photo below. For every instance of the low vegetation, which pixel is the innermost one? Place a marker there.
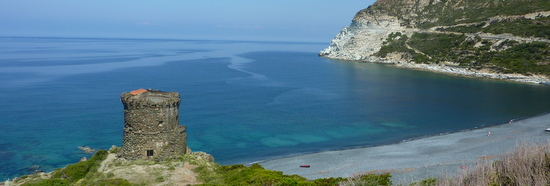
(520, 27)
(518, 44)
(527, 165)
(396, 42)
(472, 52)
(447, 12)
(257, 175)
(81, 173)
(206, 172)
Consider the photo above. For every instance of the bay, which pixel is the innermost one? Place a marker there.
(242, 101)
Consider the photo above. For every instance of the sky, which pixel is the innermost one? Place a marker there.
(268, 20)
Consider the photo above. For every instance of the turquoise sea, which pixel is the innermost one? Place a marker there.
(242, 101)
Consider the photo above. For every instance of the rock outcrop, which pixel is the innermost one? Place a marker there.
(374, 27)
(86, 149)
(362, 38)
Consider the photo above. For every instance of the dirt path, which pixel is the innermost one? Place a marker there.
(148, 173)
(109, 158)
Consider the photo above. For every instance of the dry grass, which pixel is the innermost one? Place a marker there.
(174, 173)
(527, 165)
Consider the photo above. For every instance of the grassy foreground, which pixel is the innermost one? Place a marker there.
(527, 165)
(204, 171)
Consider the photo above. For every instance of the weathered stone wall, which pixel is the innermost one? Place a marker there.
(151, 124)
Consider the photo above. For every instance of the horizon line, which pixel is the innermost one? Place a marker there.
(165, 39)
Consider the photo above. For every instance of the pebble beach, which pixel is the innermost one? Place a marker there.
(415, 160)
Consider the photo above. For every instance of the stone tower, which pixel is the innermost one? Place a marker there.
(151, 127)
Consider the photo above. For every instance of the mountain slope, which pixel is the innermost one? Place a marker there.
(484, 38)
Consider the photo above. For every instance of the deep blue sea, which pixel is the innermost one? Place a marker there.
(242, 101)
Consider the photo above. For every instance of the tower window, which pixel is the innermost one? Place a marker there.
(150, 153)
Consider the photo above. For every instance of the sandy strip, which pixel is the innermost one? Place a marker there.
(418, 159)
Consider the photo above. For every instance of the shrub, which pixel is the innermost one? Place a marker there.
(114, 150)
(73, 172)
(425, 182)
(114, 182)
(159, 179)
(523, 58)
(394, 45)
(48, 182)
(369, 179)
(382, 180)
(328, 181)
(255, 175)
(527, 165)
(79, 170)
(510, 57)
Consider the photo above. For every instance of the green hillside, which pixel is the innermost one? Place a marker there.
(499, 36)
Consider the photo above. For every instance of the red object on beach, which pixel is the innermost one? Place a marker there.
(305, 166)
(463, 167)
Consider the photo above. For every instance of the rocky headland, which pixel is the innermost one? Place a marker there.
(445, 36)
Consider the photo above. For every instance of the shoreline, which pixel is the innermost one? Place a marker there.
(420, 158)
(466, 72)
(396, 142)
(463, 71)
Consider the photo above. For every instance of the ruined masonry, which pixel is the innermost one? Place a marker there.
(151, 127)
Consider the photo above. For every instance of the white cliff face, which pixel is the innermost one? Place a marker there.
(362, 39)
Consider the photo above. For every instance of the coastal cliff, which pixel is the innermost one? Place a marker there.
(482, 38)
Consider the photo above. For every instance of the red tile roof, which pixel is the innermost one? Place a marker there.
(138, 91)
